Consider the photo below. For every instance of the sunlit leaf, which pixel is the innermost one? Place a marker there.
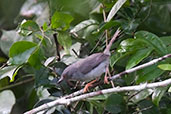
(165, 66)
(61, 21)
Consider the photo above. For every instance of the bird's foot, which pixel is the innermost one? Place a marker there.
(90, 84)
(86, 88)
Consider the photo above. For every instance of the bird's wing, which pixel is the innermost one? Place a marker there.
(91, 62)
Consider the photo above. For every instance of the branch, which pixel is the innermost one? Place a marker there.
(140, 67)
(65, 101)
(57, 46)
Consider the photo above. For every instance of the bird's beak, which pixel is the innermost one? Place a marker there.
(60, 80)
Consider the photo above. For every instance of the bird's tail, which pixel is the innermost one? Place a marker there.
(107, 50)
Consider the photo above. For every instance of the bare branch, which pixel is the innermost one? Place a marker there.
(140, 67)
(66, 101)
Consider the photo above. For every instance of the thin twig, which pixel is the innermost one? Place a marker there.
(17, 84)
(97, 43)
(75, 53)
(140, 67)
(57, 46)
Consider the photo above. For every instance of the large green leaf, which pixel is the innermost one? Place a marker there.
(148, 73)
(153, 41)
(130, 45)
(127, 47)
(7, 101)
(157, 95)
(65, 40)
(114, 103)
(137, 57)
(61, 21)
(21, 51)
(35, 59)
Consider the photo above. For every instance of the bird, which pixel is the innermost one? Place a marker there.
(89, 68)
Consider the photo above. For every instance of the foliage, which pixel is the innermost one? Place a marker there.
(34, 54)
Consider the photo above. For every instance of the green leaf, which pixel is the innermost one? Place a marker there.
(41, 77)
(137, 57)
(169, 90)
(45, 26)
(141, 95)
(157, 95)
(61, 21)
(116, 57)
(9, 71)
(21, 51)
(98, 105)
(114, 103)
(65, 40)
(115, 9)
(7, 101)
(167, 42)
(148, 73)
(108, 25)
(36, 58)
(130, 45)
(153, 41)
(2, 59)
(165, 66)
(83, 25)
(4, 82)
(28, 27)
(99, 97)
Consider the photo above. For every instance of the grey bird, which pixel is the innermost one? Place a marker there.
(90, 67)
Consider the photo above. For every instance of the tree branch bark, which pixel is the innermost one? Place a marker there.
(65, 101)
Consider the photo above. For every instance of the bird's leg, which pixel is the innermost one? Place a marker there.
(106, 78)
(110, 77)
(86, 88)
